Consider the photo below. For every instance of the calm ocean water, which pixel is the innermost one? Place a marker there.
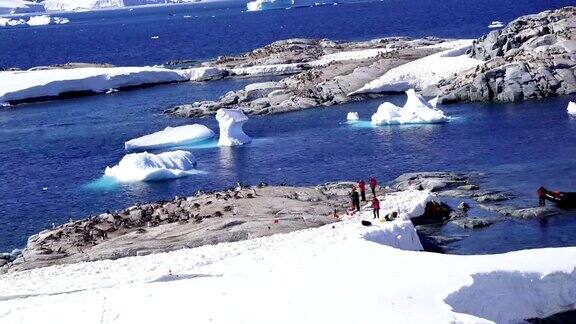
(64, 146)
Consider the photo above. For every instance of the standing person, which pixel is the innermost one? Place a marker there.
(362, 186)
(541, 197)
(355, 199)
(373, 185)
(376, 207)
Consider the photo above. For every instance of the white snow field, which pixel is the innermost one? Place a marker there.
(416, 110)
(146, 166)
(571, 108)
(339, 273)
(423, 72)
(170, 136)
(26, 85)
(352, 117)
(231, 122)
(8, 7)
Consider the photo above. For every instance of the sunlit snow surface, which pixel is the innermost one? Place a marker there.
(416, 110)
(170, 137)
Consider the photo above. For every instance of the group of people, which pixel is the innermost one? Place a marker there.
(359, 194)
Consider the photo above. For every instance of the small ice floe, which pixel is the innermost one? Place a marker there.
(155, 37)
(4, 104)
(571, 108)
(42, 20)
(111, 91)
(230, 122)
(352, 117)
(61, 20)
(152, 167)
(496, 24)
(187, 16)
(416, 110)
(170, 137)
(45, 189)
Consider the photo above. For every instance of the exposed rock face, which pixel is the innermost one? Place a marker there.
(533, 57)
(318, 82)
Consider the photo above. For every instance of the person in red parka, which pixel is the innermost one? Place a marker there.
(362, 186)
(373, 185)
(376, 207)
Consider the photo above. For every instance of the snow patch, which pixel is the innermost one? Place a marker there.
(145, 166)
(423, 72)
(231, 122)
(416, 110)
(171, 136)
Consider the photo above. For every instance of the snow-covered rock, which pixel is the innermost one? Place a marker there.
(270, 69)
(26, 85)
(571, 108)
(8, 7)
(152, 167)
(416, 110)
(39, 20)
(171, 136)
(423, 72)
(231, 122)
(204, 73)
(339, 273)
(81, 5)
(352, 117)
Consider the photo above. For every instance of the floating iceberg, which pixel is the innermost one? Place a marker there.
(39, 20)
(171, 136)
(423, 72)
(496, 24)
(352, 117)
(571, 108)
(231, 122)
(152, 167)
(415, 111)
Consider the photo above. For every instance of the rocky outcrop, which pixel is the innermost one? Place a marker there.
(533, 57)
(318, 80)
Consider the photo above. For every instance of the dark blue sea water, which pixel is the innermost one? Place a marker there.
(64, 146)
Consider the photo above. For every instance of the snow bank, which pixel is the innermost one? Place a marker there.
(151, 167)
(25, 85)
(8, 7)
(231, 122)
(571, 108)
(81, 5)
(352, 117)
(204, 73)
(423, 72)
(416, 110)
(339, 273)
(171, 136)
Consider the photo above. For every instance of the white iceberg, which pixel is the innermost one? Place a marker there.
(268, 5)
(61, 20)
(39, 20)
(423, 72)
(145, 166)
(339, 273)
(416, 110)
(231, 122)
(496, 24)
(352, 117)
(571, 108)
(171, 136)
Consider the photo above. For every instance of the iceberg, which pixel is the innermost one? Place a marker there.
(230, 122)
(171, 136)
(352, 117)
(416, 110)
(423, 72)
(39, 20)
(146, 166)
(496, 24)
(571, 108)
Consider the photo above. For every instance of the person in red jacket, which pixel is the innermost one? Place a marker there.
(362, 186)
(373, 185)
(541, 197)
(376, 207)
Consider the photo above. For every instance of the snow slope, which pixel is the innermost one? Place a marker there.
(340, 273)
(26, 85)
(151, 167)
(8, 7)
(416, 110)
(171, 136)
(231, 122)
(423, 72)
(571, 108)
